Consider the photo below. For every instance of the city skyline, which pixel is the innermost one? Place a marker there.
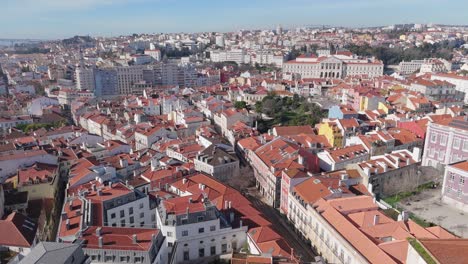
(53, 19)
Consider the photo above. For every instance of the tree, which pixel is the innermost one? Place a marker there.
(240, 104)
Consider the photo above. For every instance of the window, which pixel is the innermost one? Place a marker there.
(465, 145)
(185, 233)
(142, 215)
(122, 213)
(212, 228)
(123, 258)
(213, 250)
(122, 222)
(452, 177)
(433, 138)
(141, 206)
(170, 244)
(459, 192)
(169, 234)
(130, 210)
(224, 248)
(443, 140)
(138, 259)
(201, 252)
(108, 258)
(112, 215)
(186, 256)
(201, 230)
(462, 180)
(142, 224)
(456, 143)
(132, 220)
(200, 218)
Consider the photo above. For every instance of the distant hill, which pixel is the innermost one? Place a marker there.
(77, 40)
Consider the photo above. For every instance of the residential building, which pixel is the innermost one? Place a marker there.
(354, 230)
(342, 112)
(454, 189)
(388, 174)
(269, 160)
(443, 250)
(18, 233)
(53, 252)
(446, 142)
(124, 245)
(11, 161)
(85, 79)
(40, 181)
(460, 82)
(217, 162)
(337, 159)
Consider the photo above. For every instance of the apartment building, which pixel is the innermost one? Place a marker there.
(337, 159)
(446, 142)
(388, 174)
(124, 245)
(217, 162)
(460, 82)
(454, 189)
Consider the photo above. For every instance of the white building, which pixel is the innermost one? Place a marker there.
(195, 229)
(10, 162)
(334, 66)
(85, 79)
(154, 53)
(460, 82)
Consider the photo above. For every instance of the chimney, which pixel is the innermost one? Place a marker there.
(367, 171)
(408, 161)
(417, 154)
(200, 186)
(376, 219)
(64, 215)
(397, 162)
(190, 200)
(240, 223)
(184, 180)
(70, 205)
(225, 204)
(134, 239)
(93, 187)
(98, 231)
(99, 192)
(385, 167)
(154, 165)
(101, 241)
(123, 163)
(110, 184)
(301, 160)
(229, 204)
(67, 223)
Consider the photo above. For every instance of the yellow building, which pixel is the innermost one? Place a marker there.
(384, 107)
(332, 132)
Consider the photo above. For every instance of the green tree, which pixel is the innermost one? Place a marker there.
(240, 104)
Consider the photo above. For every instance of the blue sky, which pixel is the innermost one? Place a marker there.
(65, 18)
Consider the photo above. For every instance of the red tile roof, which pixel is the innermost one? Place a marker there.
(17, 231)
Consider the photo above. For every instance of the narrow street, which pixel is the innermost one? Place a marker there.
(301, 249)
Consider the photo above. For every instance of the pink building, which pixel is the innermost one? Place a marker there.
(454, 190)
(446, 142)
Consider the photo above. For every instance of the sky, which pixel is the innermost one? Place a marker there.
(52, 19)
